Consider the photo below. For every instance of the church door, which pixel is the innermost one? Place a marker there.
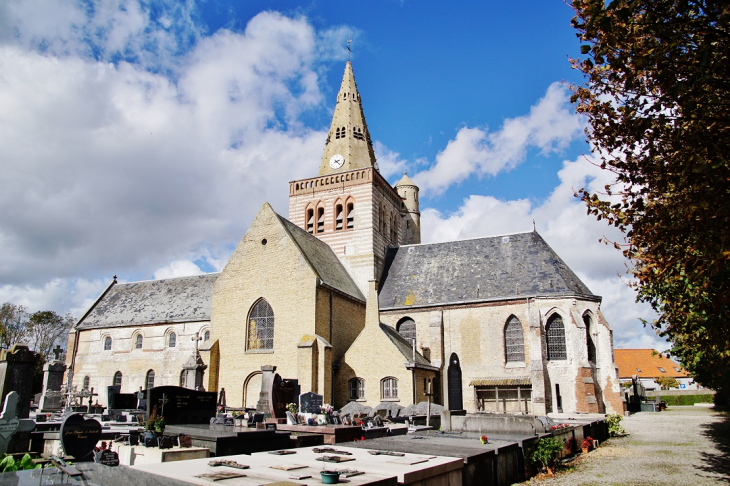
(456, 401)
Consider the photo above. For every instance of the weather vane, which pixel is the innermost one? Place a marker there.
(349, 50)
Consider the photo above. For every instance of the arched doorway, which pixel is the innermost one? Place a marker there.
(456, 401)
(252, 389)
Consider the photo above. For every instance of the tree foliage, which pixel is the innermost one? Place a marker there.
(46, 329)
(13, 322)
(657, 99)
(667, 382)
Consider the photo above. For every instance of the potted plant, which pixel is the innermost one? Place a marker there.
(329, 476)
(323, 418)
(587, 444)
(160, 424)
(571, 445)
(546, 454)
(484, 440)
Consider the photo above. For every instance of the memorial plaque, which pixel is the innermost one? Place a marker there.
(79, 436)
(310, 402)
(108, 458)
(182, 405)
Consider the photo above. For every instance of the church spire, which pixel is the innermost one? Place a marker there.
(348, 144)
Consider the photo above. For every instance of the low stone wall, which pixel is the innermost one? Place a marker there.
(478, 423)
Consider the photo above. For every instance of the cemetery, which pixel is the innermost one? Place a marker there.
(176, 435)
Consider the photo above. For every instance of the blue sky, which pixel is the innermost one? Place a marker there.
(139, 139)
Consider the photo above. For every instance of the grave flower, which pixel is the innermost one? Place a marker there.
(293, 408)
(587, 444)
(326, 409)
(483, 439)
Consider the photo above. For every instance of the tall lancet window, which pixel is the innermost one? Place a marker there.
(514, 344)
(338, 217)
(261, 326)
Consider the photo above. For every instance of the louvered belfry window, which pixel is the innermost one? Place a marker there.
(338, 217)
(514, 341)
(261, 326)
(555, 339)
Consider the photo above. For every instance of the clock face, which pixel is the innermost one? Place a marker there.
(336, 161)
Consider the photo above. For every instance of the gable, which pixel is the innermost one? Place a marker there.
(480, 269)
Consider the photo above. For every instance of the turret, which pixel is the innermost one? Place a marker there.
(411, 216)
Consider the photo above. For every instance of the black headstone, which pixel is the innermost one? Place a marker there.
(283, 392)
(79, 437)
(456, 401)
(108, 458)
(111, 392)
(182, 405)
(310, 402)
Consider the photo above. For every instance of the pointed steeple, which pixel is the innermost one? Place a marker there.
(348, 144)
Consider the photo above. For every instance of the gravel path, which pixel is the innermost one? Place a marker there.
(679, 446)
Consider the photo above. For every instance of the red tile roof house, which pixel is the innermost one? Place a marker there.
(649, 365)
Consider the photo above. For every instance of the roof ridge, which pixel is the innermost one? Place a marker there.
(206, 274)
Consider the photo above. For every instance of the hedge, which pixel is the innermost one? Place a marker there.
(684, 399)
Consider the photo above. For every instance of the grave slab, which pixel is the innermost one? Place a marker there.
(136, 455)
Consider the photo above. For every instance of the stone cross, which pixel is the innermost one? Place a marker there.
(57, 352)
(10, 423)
(196, 339)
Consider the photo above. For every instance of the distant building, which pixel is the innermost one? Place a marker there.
(650, 365)
(343, 297)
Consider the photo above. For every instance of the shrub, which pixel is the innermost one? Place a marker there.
(547, 452)
(677, 400)
(613, 421)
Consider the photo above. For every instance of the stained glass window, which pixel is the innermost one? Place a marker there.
(261, 326)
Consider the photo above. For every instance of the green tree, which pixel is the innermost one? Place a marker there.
(45, 329)
(657, 99)
(667, 382)
(13, 320)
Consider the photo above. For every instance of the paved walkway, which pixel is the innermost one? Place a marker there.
(679, 446)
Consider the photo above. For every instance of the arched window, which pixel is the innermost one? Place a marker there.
(87, 382)
(118, 378)
(183, 375)
(514, 345)
(338, 217)
(320, 220)
(261, 326)
(589, 339)
(310, 220)
(388, 388)
(172, 340)
(350, 215)
(357, 388)
(138, 342)
(107, 343)
(150, 381)
(555, 338)
(206, 336)
(407, 329)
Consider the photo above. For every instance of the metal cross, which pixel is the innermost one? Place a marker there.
(164, 400)
(349, 50)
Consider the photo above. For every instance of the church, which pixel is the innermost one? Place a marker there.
(343, 297)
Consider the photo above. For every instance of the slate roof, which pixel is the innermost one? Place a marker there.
(481, 269)
(323, 260)
(646, 363)
(183, 299)
(404, 347)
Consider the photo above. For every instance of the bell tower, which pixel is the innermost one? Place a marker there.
(349, 205)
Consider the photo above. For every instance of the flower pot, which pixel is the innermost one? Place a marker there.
(322, 419)
(585, 450)
(551, 471)
(330, 477)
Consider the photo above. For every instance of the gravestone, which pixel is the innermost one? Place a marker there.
(310, 402)
(456, 401)
(182, 405)
(108, 458)
(120, 401)
(283, 392)
(267, 380)
(52, 380)
(10, 423)
(79, 436)
(17, 365)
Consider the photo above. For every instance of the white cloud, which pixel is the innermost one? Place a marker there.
(563, 222)
(112, 168)
(550, 127)
(178, 268)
